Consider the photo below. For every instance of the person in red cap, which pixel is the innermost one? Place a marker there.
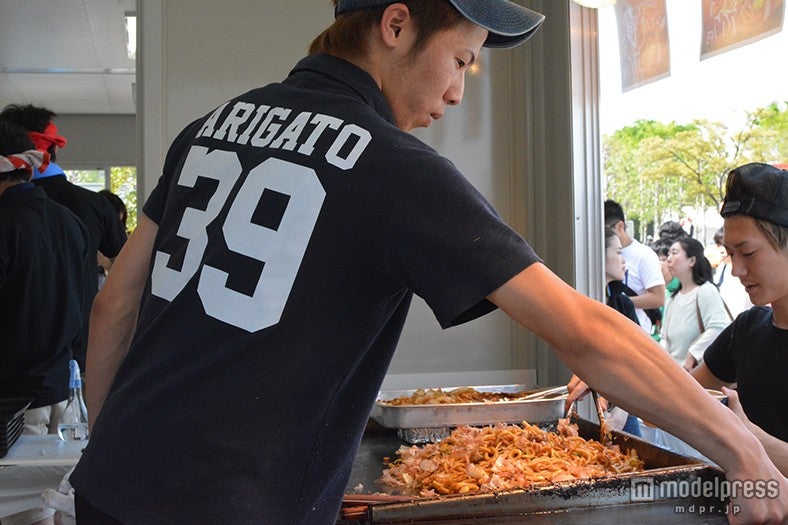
(45, 266)
(241, 339)
(107, 235)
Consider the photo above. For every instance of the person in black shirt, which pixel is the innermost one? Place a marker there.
(45, 267)
(751, 351)
(107, 235)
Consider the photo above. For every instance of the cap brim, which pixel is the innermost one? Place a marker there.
(509, 24)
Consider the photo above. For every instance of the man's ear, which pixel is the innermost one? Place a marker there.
(396, 19)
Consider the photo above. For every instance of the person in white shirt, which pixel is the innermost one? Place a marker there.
(694, 314)
(644, 273)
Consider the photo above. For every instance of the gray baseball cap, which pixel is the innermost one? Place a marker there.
(509, 24)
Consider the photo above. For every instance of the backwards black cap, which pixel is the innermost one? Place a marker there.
(761, 191)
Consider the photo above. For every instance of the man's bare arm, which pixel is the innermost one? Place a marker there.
(114, 315)
(619, 360)
(654, 297)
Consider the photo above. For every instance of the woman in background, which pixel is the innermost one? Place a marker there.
(695, 313)
(105, 263)
(615, 269)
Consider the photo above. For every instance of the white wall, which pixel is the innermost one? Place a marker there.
(97, 140)
(511, 137)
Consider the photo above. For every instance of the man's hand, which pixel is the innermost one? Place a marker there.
(735, 405)
(690, 363)
(577, 390)
(769, 509)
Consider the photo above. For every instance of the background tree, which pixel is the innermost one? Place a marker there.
(635, 175)
(123, 182)
(654, 169)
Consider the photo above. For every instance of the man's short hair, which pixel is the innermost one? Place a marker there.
(662, 246)
(613, 213)
(719, 237)
(348, 35)
(31, 118)
(28, 116)
(671, 230)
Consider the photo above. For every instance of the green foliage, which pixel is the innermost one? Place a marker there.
(123, 183)
(655, 169)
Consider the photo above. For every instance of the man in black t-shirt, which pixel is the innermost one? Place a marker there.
(273, 266)
(752, 352)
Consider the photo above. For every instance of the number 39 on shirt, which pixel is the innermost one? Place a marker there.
(282, 250)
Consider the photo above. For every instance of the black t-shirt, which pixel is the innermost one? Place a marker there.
(104, 228)
(94, 210)
(753, 353)
(620, 301)
(45, 264)
(295, 222)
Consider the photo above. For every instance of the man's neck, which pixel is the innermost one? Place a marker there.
(626, 240)
(780, 313)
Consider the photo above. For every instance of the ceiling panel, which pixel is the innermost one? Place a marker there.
(68, 55)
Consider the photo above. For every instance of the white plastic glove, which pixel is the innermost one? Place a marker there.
(62, 499)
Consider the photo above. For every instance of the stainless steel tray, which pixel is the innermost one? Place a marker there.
(454, 414)
(627, 498)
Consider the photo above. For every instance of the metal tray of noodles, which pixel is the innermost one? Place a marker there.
(665, 492)
(423, 423)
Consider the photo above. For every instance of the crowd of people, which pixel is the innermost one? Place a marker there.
(726, 321)
(212, 325)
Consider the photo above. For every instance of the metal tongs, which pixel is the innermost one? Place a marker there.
(547, 393)
(605, 436)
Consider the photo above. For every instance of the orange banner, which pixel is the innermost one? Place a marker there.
(643, 41)
(728, 24)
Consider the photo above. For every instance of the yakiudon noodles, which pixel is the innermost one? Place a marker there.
(503, 457)
(438, 396)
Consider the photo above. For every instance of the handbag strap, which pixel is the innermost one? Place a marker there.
(727, 310)
(697, 313)
(700, 318)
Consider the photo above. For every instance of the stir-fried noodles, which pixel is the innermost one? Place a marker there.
(503, 457)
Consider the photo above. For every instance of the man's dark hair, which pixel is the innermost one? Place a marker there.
(14, 139)
(30, 117)
(671, 230)
(348, 35)
(719, 236)
(118, 204)
(613, 213)
(662, 246)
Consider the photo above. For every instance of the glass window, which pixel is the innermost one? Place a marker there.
(122, 181)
